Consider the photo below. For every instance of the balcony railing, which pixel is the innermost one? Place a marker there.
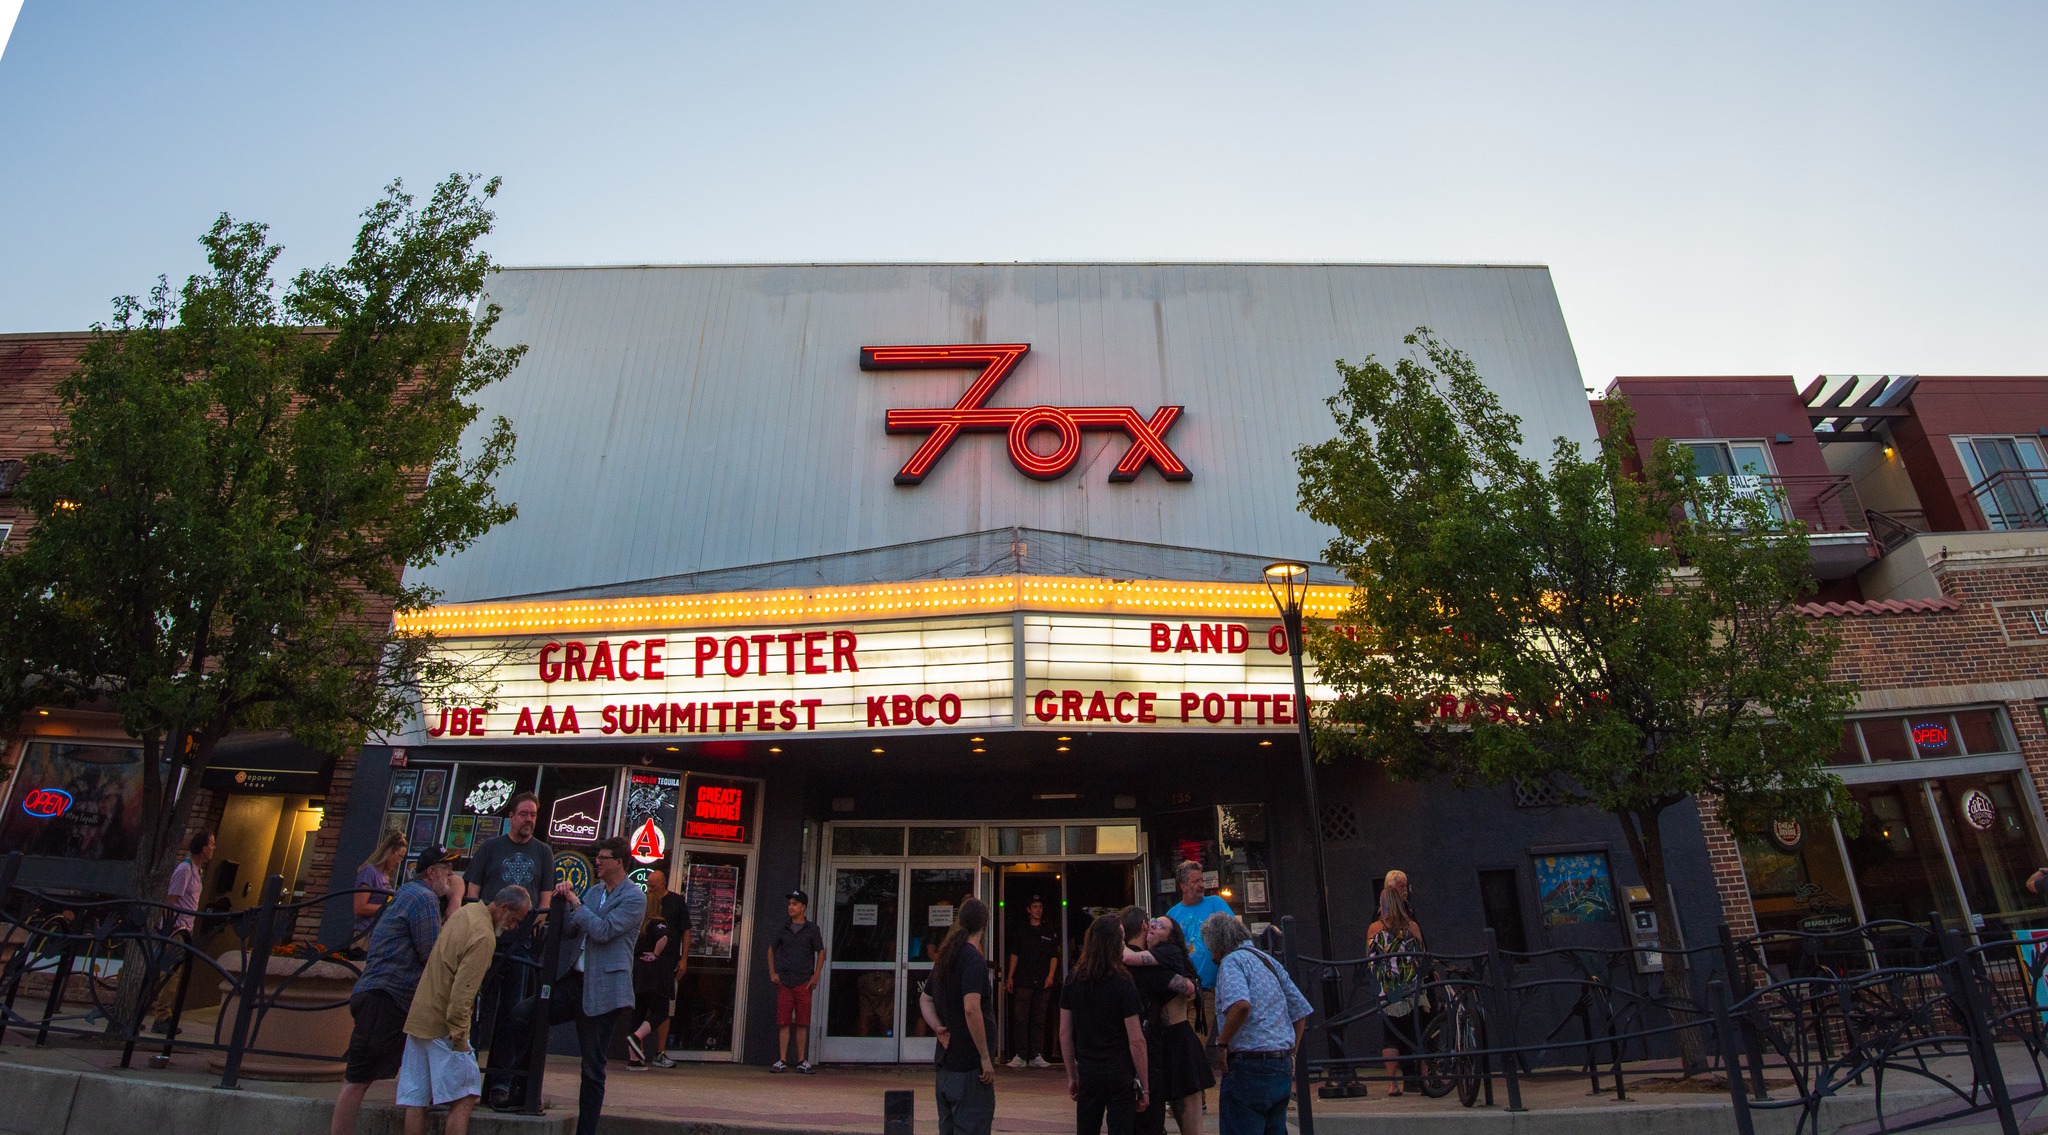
(2013, 498)
(1825, 502)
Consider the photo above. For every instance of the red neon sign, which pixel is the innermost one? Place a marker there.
(46, 802)
(944, 425)
(1930, 735)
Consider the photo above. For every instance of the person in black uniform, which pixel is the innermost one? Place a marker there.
(1030, 974)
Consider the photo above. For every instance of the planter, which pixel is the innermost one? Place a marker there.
(290, 1022)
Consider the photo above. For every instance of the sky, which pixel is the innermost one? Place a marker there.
(1717, 188)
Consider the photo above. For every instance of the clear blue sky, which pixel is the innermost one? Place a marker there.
(1730, 189)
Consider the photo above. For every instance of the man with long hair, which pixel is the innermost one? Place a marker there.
(1102, 1036)
(959, 1005)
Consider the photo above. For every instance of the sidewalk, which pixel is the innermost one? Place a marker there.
(80, 1091)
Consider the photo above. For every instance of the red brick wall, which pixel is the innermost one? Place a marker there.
(1938, 658)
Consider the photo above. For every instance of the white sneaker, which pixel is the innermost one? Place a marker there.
(1040, 1062)
(1015, 1062)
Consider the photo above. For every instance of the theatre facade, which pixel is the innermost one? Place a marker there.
(902, 583)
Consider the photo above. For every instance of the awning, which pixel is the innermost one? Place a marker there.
(269, 763)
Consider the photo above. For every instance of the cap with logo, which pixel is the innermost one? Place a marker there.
(433, 855)
(799, 896)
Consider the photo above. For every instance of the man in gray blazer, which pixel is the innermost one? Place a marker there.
(597, 942)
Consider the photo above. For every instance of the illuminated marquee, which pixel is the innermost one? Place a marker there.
(953, 674)
(943, 425)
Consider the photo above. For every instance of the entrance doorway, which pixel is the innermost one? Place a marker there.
(891, 893)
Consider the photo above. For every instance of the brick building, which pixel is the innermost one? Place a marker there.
(1925, 497)
(277, 806)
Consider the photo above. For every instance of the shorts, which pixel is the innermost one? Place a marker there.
(434, 1073)
(650, 1009)
(793, 1004)
(376, 1044)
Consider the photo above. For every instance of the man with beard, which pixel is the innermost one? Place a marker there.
(514, 859)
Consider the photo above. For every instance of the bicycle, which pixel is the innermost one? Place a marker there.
(1452, 1043)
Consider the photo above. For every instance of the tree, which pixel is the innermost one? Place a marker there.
(1623, 629)
(237, 488)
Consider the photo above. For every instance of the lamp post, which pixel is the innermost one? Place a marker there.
(1288, 581)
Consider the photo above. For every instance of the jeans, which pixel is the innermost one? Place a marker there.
(1114, 1099)
(1253, 1097)
(966, 1105)
(1027, 1020)
(594, 1037)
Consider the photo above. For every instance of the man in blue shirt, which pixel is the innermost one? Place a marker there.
(399, 947)
(1263, 1016)
(1193, 909)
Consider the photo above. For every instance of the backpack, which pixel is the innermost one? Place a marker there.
(1400, 977)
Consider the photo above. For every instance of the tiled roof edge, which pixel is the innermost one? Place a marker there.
(1881, 607)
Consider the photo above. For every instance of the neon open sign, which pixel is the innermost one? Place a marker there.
(1931, 735)
(46, 802)
(943, 425)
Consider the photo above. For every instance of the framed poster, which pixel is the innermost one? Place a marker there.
(461, 833)
(433, 789)
(425, 830)
(399, 822)
(489, 827)
(405, 788)
(713, 891)
(1574, 888)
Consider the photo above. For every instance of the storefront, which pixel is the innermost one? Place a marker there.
(1950, 824)
(977, 611)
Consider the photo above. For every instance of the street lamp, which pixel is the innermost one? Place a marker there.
(1288, 581)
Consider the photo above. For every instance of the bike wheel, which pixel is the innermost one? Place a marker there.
(1439, 1058)
(1471, 1068)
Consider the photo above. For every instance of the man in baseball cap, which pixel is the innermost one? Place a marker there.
(398, 952)
(796, 957)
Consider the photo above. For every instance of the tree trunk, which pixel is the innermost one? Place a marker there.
(1646, 846)
(168, 789)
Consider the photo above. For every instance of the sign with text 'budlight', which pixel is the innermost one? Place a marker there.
(934, 675)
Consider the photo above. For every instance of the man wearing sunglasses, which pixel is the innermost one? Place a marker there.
(597, 954)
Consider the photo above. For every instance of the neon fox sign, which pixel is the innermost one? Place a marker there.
(943, 425)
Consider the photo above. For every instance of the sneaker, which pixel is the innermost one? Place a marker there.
(662, 1060)
(636, 1054)
(778, 1066)
(1040, 1062)
(1015, 1062)
(805, 1068)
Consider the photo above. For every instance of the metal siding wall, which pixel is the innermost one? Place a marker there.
(685, 419)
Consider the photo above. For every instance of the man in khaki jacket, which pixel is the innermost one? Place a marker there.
(439, 1066)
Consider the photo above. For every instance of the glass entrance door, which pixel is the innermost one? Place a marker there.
(886, 922)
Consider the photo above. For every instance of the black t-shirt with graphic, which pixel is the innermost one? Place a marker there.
(499, 863)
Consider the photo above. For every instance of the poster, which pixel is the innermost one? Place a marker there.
(2032, 943)
(75, 802)
(713, 891)
(398, 822)
(461, 833)
(405, 787)
(1574, 889)
(938, 914)
(425, 830)
(1255, 899)
(489, 827)
(433, 786)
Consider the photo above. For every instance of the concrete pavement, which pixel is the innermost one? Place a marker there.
(77, 1090)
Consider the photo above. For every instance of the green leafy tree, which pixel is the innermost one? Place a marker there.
(1623, 629)
(238, 487)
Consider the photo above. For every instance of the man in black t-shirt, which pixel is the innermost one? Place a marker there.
(796, 957)
(515, 858)
(1029, 976)
(960, 1005)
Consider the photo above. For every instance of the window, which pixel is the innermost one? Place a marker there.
(4, 530)
(1931, 733)
(2008, 478)
(1500, 898)
(1746, 464)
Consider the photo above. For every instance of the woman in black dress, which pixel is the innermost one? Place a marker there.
(1158, 959)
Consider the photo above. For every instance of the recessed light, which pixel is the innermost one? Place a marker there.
(976, 740)
(876, 749)
(1066, 738)
(980, 750)
(1063, 749)
(1266, 744)
(675, 748)
(44, 712)
(774, 748)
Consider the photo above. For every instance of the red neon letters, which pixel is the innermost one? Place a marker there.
(944, 425)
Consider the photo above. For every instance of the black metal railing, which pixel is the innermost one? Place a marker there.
(1853, 1007)
(69, 953)
(2013, 498)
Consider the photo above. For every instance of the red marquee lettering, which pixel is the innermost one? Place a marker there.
(878, 710)
(1162, 638)
(626, 671)
(735, 656)
(843, 643)
(601, 662)
(707, 649)
(550, 671)
(949, 708)
(1044, 705)
(653, 671)
(572, 662)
